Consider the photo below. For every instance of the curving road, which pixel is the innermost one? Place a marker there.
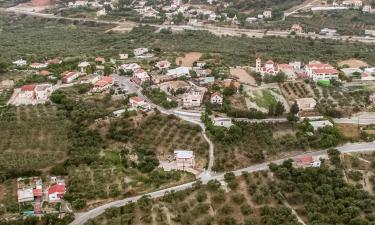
(347, 148)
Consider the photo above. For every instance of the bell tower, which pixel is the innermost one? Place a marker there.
(258, 65)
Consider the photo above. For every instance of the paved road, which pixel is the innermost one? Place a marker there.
(363, 118)
(84, 217)
(220, 31)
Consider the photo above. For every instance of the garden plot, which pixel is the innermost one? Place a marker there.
(343, 98)
(294, 90)
(262, 99)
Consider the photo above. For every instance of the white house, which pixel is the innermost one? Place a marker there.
(136, 102)
(192, 99)
(140, 51)
(123, 56)
(320, 124)
(70, 76)
(20, 62)
(321, 71)
(56, 192)
(327, 31)
(216, 98)
(164, 64)
(222, 122)
(267, 14)
(269, 68)
(90, 79)
(101, 12)
(141, 75)
(103, 84)
(184, 159)
(367, 9)
(39, 65)
(130, 67)
(306, 104)
(42, 92)
(178, 72)
(83, 66)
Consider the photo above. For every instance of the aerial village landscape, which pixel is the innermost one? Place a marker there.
(187, 112)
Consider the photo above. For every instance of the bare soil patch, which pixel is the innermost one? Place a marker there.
(355, 63)
(242, 75)
(188, 59)
(348, 130)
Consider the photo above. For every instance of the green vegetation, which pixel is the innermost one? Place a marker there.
(265, 100)
(4, 96)
(160, 98)
(33, 138)
(313, 189)
(232, 145)
(208, 204)
(40, 39)
(164, 133)
(336, 101)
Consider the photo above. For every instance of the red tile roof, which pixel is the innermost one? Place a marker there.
(136, 99)
(216, 94)
(104, 81)
(325, 71)
(285, 66)
(28, 87)
(305, 160)
(319, 65)
(37, 192)
(44, 72)
(100, 59)
(57, 188)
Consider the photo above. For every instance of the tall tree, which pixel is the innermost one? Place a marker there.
(279, 109)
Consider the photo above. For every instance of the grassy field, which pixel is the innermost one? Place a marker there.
(38, 39)
(264, 99)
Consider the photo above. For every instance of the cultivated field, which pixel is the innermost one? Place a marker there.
(294, 90)
(32, 138)
(244, 203)
(164, 133)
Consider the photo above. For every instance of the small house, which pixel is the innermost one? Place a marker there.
(184, 159)
(216, 98)
(136, 102)
(320, 124)
(56, 192)
(306, 104)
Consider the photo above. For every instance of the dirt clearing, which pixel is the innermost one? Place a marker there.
(188, 59)
(242, 75)
(354, 63)
(348, 130)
